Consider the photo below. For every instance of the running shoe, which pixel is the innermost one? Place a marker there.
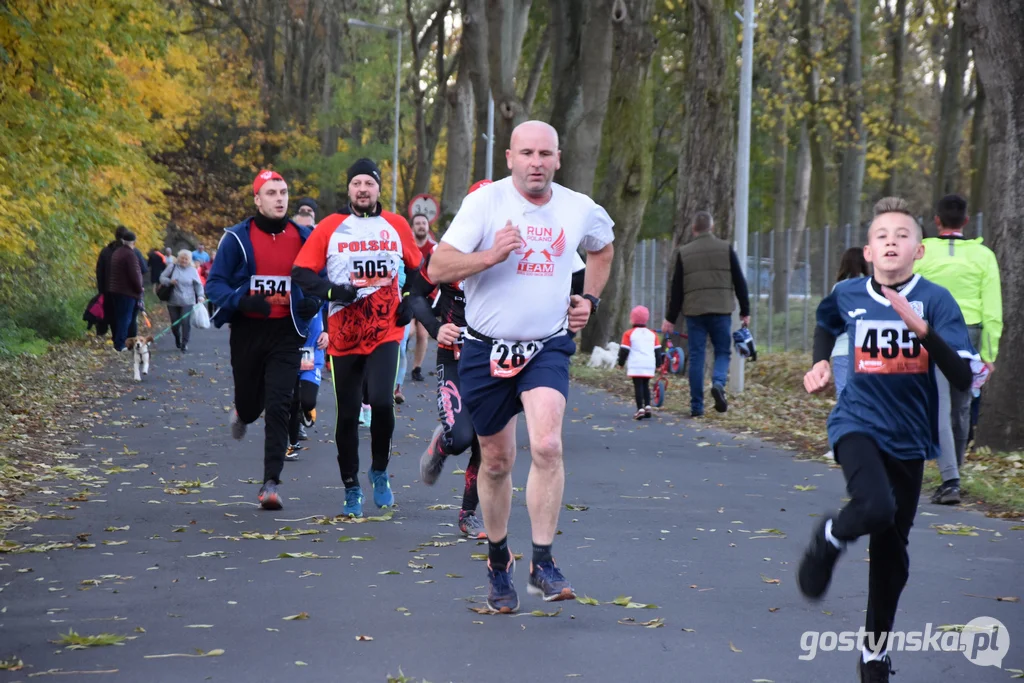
(365, 415)
(432, 460)
(382, 495)
(237, 427)
(471, 525)
(639, 415)
(718, 393)
(269, 498)
(353, 502)
(547, 581)
(293, 453)
(303, 436)
(417, 375)
(399, 396)
(502, 596)
(647, 411)
(875, 671)
(946, 494)
(308, 419)
(818, 562)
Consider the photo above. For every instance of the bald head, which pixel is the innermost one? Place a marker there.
(533, 157)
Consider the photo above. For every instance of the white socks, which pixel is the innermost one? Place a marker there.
(869, 656)
(832, 539)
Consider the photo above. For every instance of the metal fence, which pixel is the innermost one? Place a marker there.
(784, 292)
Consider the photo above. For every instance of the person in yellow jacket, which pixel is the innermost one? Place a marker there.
(968, 269)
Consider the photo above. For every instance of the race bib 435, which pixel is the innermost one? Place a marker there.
(888, 347)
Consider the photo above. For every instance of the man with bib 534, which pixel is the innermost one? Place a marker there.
(514, 242)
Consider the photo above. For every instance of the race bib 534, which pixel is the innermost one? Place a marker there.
(888, 347)
(276, 288)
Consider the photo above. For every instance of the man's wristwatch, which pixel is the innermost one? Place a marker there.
(594, 302)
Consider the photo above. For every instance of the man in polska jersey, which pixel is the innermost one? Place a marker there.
(362, 249)
(250, 285)
(513, 243)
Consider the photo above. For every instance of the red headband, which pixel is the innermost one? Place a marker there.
(263, 177)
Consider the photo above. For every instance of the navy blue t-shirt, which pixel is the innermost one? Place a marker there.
(891, 394)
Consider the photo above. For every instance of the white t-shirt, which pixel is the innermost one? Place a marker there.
(641, 342)
(526, 298)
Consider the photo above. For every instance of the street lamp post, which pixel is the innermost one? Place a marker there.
(398, 93)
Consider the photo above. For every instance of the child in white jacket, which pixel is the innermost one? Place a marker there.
(640, 352)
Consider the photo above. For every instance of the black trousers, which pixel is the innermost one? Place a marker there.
(642, 391)
(303, 400)
(376, 371)
(183, 330)
(883, 501)
(265, 358)
(456, 426)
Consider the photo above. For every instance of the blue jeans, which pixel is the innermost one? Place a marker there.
(402, 360)
(700, 327)
(123, 307)
(840, 372)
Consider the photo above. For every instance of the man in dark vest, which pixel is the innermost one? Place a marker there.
(707, 275)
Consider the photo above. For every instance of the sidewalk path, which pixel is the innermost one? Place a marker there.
(708, 526)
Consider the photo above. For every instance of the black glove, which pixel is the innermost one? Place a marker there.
(343, 294)
(308, 307)
(404, 312)
(254, 303)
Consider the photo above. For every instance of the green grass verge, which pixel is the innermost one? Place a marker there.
(775, 407)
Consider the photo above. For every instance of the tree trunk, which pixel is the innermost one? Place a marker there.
(474, 48)
(581, 77)
(306, 65)
(537, 71)
(785, 258)
(626, 159)
(506, 20)
(851, 173)
(329, 132)
(429, 115)
(458, 170)
(951, 118)
(898, 48)
(780, 264)
(811, 20)
(707, 158)
(979, 150)
(995, 28)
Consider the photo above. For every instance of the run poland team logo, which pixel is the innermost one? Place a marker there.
(539, 250)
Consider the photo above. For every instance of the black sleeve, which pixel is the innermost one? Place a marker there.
(422, 312)
(675, 293)
(412, 279)
(310, 283)
(739, 283)
(623, 355)
(956, 369)
(577, 282)
(101, 270)
(659, 356)
(824, 342)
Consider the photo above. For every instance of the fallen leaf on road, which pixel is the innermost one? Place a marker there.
(364, 638)
(955, 529)
(586, 600)
(541, 613)
(653, 623)
(301, 616)
(773, 609)
(388, 572)
(1011, 598)
(12, 664)
(75, 641)
(298, 663)
(689, 630)
(426, 581)
(801, 487)
(199, 626)
(768, 580)
(453, 576)
(346, 539)
(578, 508)
(482, 610)
(734, 648)
(212, 653)
(442, 507)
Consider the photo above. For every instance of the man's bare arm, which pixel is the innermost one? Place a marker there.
(599, 268)
(448, 264)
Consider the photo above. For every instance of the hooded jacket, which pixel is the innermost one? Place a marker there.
(968, 269)
(235, 264)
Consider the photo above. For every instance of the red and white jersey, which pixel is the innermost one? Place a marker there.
(641, 342)
(365, 252)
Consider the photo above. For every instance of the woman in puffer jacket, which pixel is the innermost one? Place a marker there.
(188, 291)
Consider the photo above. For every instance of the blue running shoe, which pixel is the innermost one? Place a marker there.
(547, 581)
(353, 502)
(382, 495)
(502, 597)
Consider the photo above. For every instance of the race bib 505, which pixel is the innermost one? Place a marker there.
(371, 271)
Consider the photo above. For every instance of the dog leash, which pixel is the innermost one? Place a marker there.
(174, 323)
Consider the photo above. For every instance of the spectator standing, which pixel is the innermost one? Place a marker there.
(188, 291)
(124, 289)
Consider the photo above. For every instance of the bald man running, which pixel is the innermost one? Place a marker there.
(514, 243)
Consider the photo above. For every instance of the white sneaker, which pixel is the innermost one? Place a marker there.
(829, 456)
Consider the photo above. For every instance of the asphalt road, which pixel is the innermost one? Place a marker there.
(705, 525)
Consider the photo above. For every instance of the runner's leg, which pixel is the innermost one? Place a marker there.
(381, 368)
(247, 361)
(470, 495)
(421, 345)
(349, 374)
(698, 339)
(280, 370)
(638, 392)
(293, 415)
(497, 456)
(544, 408)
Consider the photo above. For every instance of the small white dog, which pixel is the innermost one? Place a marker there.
(139, 346)
(604, 358)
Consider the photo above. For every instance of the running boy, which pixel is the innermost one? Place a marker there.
(640, 352)
(902, 329)
(307, 385)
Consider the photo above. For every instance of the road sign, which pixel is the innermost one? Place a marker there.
(427, 205)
